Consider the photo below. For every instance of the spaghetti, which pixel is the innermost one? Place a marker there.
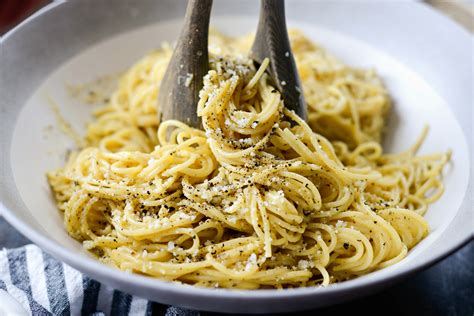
(259, 198)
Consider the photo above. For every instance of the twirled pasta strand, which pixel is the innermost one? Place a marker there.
(260, 198)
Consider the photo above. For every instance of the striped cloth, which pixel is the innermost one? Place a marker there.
(45, 286)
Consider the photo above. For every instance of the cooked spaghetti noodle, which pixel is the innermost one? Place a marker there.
(259, 198)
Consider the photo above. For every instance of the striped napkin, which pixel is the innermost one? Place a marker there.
(45, 286)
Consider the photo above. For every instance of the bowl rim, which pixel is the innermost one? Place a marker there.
(94, 267)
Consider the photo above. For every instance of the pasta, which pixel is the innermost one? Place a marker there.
(259, 198)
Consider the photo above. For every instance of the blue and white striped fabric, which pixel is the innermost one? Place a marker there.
(45, 286)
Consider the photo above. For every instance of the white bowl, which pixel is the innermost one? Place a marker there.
(423, 57)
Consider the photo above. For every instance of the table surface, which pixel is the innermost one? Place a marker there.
(447, 288)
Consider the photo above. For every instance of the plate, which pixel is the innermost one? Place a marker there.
(424, 63)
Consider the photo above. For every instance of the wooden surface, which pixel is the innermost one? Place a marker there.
(271, 41)
(13, 11)
(183, 79)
